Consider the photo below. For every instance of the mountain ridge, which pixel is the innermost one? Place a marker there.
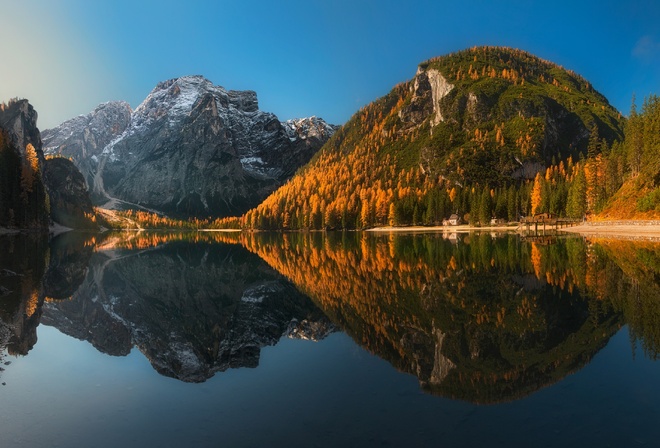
(191, 148)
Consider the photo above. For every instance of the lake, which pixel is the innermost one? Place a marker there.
(328, 339)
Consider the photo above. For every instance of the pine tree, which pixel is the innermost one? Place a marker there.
(511, 204)
(576, 206)
(593, 147)
(634, 140)
(485, 207)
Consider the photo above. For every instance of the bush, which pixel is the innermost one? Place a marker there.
(649, 202)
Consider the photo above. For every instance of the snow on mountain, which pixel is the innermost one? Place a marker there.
(191, 148)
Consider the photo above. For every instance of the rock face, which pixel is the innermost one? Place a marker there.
(429, 87)
(192, 309)
(83, 138)
(19, 120)
(70, 204)
(536, 110)
(191, 149)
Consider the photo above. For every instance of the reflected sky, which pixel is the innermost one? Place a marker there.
(330, 393)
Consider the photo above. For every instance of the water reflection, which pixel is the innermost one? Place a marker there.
(193, 308)
(23, 260)
(475, 317)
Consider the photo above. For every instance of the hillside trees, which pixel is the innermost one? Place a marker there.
(23, 198)
(397, 161)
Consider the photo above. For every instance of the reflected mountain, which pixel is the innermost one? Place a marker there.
(193, 308)
(474, 317)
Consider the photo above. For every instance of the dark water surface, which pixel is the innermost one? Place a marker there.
(345, 339)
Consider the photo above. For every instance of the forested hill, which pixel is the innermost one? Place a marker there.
(467, 135)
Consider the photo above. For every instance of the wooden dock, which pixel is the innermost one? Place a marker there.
(545, 221)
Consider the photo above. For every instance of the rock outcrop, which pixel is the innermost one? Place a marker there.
(22, 192)
(70, 204)
(191, 149)
(19, 120)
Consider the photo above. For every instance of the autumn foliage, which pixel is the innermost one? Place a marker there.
(396, 163)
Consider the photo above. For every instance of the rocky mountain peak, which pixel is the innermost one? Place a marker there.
(191, 148)
(310, 127)
(176, 98)
(86, 135)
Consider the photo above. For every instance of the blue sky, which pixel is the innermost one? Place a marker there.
(324, 58)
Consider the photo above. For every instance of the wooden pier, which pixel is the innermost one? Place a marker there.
(545, 221)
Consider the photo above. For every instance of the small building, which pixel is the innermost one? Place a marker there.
(498, 222)
(454, 220)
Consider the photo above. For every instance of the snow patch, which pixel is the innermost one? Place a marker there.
(254, 165)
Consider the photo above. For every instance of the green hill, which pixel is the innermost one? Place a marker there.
(479, 123)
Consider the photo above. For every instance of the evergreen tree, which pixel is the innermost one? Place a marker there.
(501, 204)
(576, 206)
(512, 204)
(485, 207)
(475, 206)
(593, 147)
(634, 140)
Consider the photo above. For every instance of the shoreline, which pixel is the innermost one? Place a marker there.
(464, 228)
(599, 229)
(616, 230)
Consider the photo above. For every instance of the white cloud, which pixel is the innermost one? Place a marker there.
(646, 48)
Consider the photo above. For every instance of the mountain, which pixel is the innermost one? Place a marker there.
(190, 149)
(485, 118)
(83, 138)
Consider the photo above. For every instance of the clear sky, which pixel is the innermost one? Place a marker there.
(324, 58)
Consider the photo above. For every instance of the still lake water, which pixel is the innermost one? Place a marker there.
(345, 339)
